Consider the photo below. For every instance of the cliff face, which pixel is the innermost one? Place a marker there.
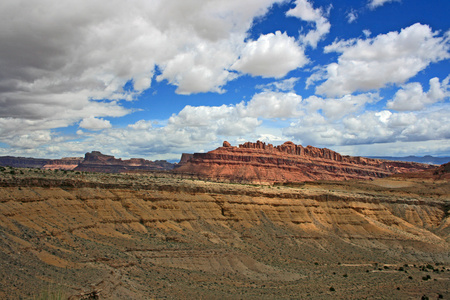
(66, 163)
(98, 162)
(264, 163)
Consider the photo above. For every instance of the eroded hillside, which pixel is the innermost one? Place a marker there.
(141, 236)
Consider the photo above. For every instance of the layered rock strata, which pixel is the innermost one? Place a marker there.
(65, 163)
(95, 161)
(23, 162)
(128, 236)
(264, 163)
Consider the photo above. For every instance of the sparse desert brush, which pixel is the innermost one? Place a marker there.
(51, 293)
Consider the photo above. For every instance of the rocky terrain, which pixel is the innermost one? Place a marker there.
(66, 163)
(93, 161)
(143, 236)
(264, 163)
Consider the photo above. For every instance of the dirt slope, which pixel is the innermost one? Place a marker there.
(139, 237)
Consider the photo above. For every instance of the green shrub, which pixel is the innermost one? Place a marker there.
(51, 293)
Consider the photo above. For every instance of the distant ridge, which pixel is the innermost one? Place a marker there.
(65, 163)
(93, 161)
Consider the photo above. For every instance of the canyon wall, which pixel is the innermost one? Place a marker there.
(264, 163)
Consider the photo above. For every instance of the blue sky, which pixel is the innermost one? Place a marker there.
(154, 79)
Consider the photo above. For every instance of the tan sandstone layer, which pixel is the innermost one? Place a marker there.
(140, 237)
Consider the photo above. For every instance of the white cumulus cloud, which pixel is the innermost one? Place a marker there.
(306, 12)
(376, 3)
(371, 127)
(412, 97)
(352, 16)
(272, 55)
(93, 123)
(337, 108)
(272, 105)
(62, 62)
(367, 64)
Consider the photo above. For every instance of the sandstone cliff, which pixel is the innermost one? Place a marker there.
(264, 163)
(65, 163)
(95, 161)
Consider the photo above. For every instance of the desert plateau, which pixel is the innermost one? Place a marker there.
(68, 234)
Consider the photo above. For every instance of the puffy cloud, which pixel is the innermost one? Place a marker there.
(93, 123)
(431, 147)
(372, 127)
(285, 85)
(412, 97)
(376, 3)
(57, 61)
(200, 116)
(352, 16)
(367, 33)
(272, 55)
(32, 139)
(141, 125)
(337, 108)
(388, 58)
(201, 68)
(207, 122)
(305, 11)
(313, 129)
(272, 105)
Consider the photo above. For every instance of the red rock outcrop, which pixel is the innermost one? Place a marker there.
(264, 163)
(23, 162)
(95, 161)
(65, 163)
